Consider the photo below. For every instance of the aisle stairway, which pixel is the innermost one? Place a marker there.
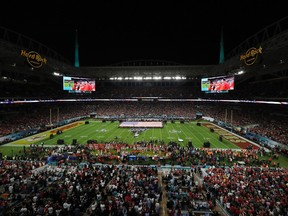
(163, 211)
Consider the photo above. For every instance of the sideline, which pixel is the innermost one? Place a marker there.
(43, 135)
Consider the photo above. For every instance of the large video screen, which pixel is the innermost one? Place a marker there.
(78, 84)
(220, 84)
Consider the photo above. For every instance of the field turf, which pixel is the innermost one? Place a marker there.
(109, 131)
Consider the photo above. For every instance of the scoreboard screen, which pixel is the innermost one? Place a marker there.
(220, 84)
(79, 84)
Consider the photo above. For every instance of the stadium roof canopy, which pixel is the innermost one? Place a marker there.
(273, 41)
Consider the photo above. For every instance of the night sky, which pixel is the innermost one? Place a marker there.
(112, 32)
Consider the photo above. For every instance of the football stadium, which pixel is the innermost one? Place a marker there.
(144, 137)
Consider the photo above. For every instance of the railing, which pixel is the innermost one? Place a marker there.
(221, 207)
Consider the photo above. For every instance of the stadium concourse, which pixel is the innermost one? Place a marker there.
(77, 180)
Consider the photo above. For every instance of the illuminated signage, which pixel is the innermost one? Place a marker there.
(251, 55)
(33, 58)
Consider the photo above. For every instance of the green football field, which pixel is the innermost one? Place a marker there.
(110, 131)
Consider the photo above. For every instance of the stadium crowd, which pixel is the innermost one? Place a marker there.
(75, 183)
(249, 190)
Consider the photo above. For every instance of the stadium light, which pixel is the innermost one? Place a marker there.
(239, 72)
(138, 78)
(56, 74)
(147, 78)
(157, 78)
